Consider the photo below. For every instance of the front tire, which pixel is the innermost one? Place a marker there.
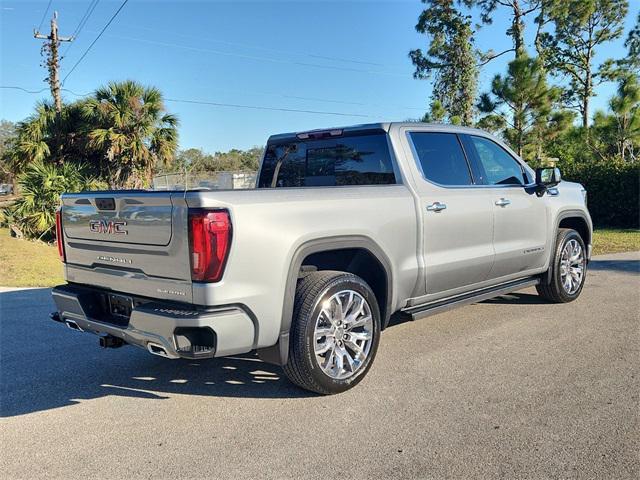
(334, 334)
(568, 268)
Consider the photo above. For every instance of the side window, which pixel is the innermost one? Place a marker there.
(496, 166)
(442, 158)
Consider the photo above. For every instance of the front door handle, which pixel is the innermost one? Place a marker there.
(503, 202)
(436, 207)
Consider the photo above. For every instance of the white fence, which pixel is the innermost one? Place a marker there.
(205, 181)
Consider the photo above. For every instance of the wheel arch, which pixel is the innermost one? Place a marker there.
(576, 220)
(349, 253)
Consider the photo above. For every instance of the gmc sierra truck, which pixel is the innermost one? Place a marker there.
(344, 228)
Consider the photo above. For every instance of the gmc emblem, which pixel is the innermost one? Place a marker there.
(108, 226)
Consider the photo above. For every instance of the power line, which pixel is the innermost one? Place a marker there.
(44, 15)
(295, 97)
(267, 49)
(85, 17)
(95, 40)
(24, 89)
(11, 87)
(216, 104)
(259, 107)
(76, 94)
(258, 57)
(83, 21)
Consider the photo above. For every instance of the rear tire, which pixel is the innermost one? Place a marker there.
(568, 268)
(334, 334)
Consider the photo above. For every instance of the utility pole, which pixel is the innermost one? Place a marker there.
(50, 50)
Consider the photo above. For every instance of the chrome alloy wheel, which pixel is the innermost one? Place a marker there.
(572, 266)
(343, 334)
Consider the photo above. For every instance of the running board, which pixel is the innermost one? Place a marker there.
(426, 309)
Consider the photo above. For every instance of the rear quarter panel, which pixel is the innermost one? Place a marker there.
(269, 225)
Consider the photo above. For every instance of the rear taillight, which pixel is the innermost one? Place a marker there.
(59, 239)
(209, 242)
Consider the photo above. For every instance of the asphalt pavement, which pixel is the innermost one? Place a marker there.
(508, 388)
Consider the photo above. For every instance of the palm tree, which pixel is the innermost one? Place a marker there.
(46, 136)
(41, 184)
(130, 127)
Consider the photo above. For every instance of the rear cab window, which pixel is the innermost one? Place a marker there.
(337, 159)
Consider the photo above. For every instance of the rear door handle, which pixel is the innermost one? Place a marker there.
(436, 207)
(503, 202)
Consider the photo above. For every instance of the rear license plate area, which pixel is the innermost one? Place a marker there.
(120, 306)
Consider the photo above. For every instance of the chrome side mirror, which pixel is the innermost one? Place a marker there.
(548, 177)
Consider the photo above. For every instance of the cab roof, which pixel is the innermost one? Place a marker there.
(370, 128)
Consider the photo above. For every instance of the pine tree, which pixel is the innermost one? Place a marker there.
(617, 133)
(450, 60)
(517, 9)
(580, 26)
(436, 113)
(523, 73)
(522, 106)
(633, 44)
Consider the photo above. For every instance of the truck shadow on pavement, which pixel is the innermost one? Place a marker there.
(619, 266)
(44, 365)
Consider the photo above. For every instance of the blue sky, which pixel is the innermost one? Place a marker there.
(347, 57)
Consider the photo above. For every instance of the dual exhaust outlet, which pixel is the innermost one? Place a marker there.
(109, 341)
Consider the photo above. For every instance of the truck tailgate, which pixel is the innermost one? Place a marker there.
(130, 241)
(136, 218)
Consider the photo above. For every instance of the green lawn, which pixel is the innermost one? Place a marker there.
(28, 264)
(34, 264)
(610, 240)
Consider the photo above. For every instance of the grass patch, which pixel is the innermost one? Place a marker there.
(24, 263)
(610, 240)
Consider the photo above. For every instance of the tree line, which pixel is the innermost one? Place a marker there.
(536, 101)
(121, 136)
(118, 137)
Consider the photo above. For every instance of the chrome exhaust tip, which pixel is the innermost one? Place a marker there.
(73, 325)
(157, 349)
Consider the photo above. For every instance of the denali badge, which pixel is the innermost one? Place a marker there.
(108, 226)
(106, 258)
(170, 292)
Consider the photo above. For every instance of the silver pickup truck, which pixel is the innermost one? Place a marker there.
(344, 228)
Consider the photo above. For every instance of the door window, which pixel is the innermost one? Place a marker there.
(496, 166)
(441, 158)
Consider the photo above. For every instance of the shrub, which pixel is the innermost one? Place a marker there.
(41, 186)
(612, 188)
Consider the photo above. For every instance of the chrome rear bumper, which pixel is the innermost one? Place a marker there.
(161, 328)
